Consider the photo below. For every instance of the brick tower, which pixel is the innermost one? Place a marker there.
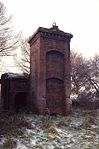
(50, 84)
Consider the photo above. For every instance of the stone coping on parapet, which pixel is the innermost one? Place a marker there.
(53, 32)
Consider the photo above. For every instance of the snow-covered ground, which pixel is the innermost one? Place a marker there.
(77, 131)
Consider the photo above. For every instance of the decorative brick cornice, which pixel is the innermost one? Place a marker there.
(52, 33)
(55, 36)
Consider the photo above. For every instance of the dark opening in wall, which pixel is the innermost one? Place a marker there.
(20, 101)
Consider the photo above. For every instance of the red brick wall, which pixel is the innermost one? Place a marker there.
(49, 74)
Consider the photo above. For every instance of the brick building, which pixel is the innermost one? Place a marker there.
(50, 84)
(14, 92)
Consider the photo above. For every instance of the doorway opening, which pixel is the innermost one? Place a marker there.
(20, 101)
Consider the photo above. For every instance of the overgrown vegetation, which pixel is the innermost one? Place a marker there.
(27, 131)
(12, 125)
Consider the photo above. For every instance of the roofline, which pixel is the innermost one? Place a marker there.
(42, 29)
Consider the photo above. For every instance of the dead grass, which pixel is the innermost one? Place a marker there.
(12, 125)
(9, 144)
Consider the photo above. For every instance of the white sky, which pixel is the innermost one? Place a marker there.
(79, 17)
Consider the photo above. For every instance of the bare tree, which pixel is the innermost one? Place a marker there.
(22, 59)
(7, 39)
(77, 63)
(85, 73)
(94, 64)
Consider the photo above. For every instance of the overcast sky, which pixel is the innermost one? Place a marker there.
(79, 17)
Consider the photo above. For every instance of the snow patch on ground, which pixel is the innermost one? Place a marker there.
(78, 131)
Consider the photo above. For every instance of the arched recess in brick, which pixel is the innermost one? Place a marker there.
(54, 64)
(55, 82)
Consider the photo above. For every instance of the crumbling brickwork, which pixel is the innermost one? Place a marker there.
(50, 84)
